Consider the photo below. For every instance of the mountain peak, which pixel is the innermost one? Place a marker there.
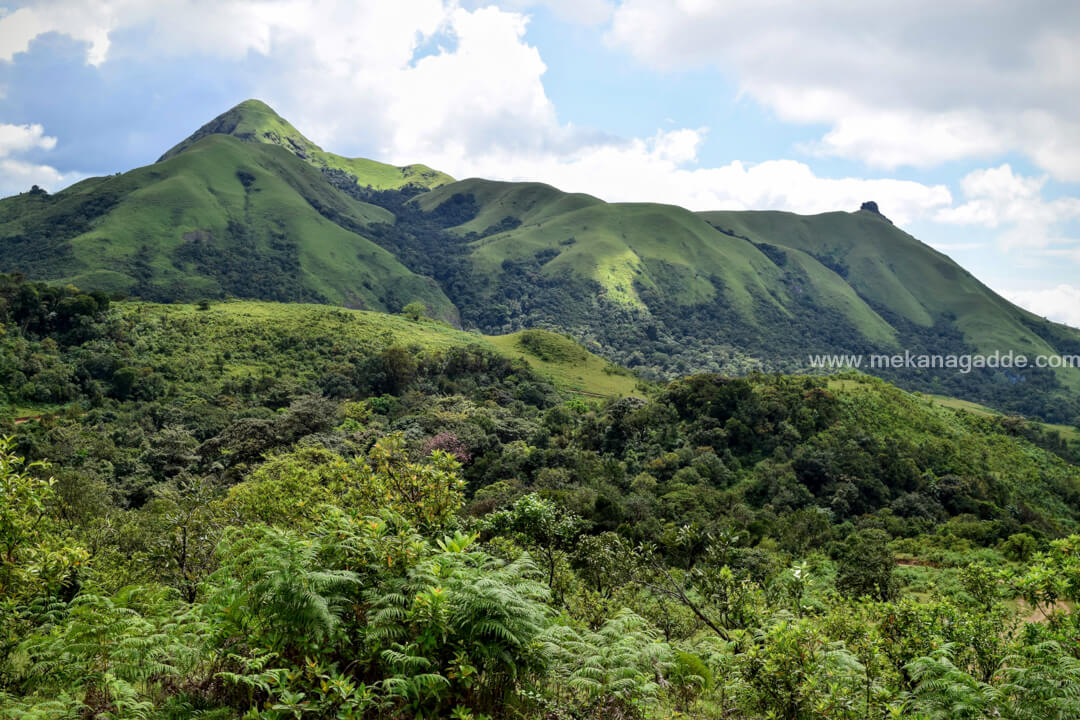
(252, 121)
(872, 207)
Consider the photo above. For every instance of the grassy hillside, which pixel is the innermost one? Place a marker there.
(223, 217)
(668, 291)
(893, 271)
(1070, 434)
(260, 323)
(524, 203)
(979, 445)
(236, 343)
(255, 121)
(643, 257)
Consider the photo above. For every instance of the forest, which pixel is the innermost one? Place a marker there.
(303, 513)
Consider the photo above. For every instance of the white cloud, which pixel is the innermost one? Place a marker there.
(20, 138)
(17, 175)
(86, 22)
(1061, 303)
(902, 82)
(947, 247)
(659, 170)
(587, 12)
(998, 198)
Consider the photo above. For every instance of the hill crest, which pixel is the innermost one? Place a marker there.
(256, 122)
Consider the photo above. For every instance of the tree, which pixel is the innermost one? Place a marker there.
(540, 524)
(866, 566)
(35, 556)
(415, 311)
(185, 526)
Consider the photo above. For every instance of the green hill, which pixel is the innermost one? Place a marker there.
(633, 252)
(221, 217)
(668, 291)
(893, 271)
(255, 121)
(248, 207)
(244, 330)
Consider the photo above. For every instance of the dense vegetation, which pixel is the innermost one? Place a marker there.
(292, 511)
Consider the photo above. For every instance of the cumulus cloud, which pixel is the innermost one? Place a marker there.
(588, 12)
(20, 138)
(1061, 303)
(999, 198)
(86, 22)
(659, 169)
(17, 174)
(911, 82)
(472, 103)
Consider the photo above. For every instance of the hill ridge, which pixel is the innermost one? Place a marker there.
(249, 207)
(254, 121)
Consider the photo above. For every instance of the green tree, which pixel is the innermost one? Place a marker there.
(1019, 547)
(36, 555)
(866, 566)
(415, 311)
(540, 524)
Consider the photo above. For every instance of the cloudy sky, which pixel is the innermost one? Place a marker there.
(961, 119)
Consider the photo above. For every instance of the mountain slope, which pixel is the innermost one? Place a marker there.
(222, 217)
(637, 255)
(255, 121)
(248, 207)
(905, 278)
(671, 291)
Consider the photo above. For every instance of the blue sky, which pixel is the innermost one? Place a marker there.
(962, 122)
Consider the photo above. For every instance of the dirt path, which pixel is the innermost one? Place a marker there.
(1040, 614)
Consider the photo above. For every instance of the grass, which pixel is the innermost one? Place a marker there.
(254, 334)
(255, 121)
(1070, 433)
(667, 249)
(199, 192)
(569, 366)
(662, 247)
(883, 409)
(849, 385)
(889, 268)
(529, 202)
(241, 339)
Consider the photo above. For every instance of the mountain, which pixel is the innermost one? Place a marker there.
(221, 216)
(249, 207)
(255, 121)
(669, 291)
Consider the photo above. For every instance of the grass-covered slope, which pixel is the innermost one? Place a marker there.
(641, 256)
(525, 203)
(222, 217)
(982, 446)
(671, 291)
(570, 368)
(255, 121)
(909, 280)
